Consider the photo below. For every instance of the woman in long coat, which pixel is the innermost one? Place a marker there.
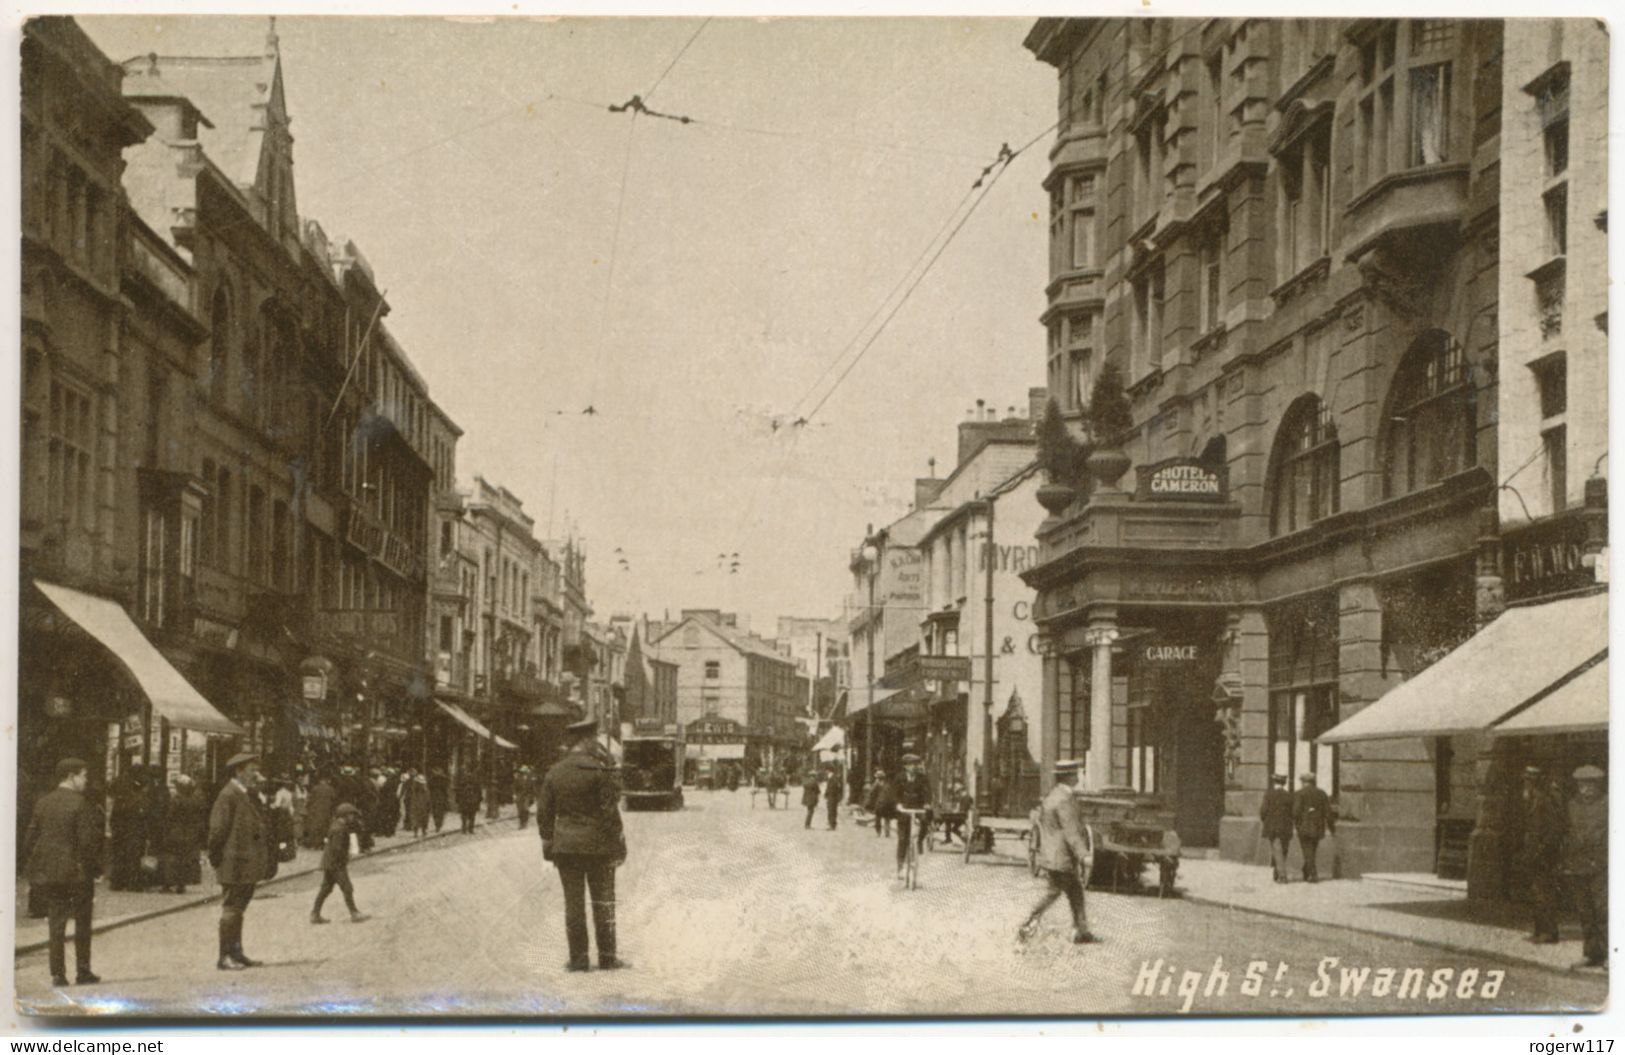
(185, 833)
(128, 825)
(318, 813)
(415, 799)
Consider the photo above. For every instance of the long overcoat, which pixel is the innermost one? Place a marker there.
(239, 838)
(319, 812)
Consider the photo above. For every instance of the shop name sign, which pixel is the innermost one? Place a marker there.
(1546, 558)
(1182, 480)
(940, 668)
(1170, 654)
(382, 545)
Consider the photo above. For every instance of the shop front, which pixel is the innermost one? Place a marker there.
(1182, 662)
(91, 685)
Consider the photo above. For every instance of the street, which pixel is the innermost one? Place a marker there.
(727, 909)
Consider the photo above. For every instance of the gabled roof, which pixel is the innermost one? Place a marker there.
(235, 95)
(743, 643)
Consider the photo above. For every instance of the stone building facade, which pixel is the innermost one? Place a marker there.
(1284, 233)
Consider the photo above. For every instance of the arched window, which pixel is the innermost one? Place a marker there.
(1429, 426)
(214, 378)
(1305, 469)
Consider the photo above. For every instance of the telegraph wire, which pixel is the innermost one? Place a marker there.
(673, 64)
(609, 278)
(1001, 165)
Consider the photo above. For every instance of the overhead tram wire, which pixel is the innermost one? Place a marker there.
(678, 58)
(1006, 159)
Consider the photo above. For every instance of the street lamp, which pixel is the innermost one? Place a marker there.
(871, 557)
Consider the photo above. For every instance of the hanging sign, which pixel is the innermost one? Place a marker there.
(1182, 480)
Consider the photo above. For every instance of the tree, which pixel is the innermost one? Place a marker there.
(1060, 456)
(1110, 414)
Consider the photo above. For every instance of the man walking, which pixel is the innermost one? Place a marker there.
(1276, 814)
(833, 790)
(809, 796)
(913, 793)
(63, 848)
(1065, 853)
(1585, 861)
(439, 796)
(578, 816)
(468, 800)
(524, 793)
(1545, 820)
(1312, 816)
(239, 850)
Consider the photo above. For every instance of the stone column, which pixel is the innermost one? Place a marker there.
(1049, 721)
(1102, 636)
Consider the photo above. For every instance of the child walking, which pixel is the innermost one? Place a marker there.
(336, 863)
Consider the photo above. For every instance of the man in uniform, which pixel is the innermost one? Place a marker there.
(913, 793)
(1312, 816)
(579, 818)
(1276, 815)
(1544, 821)
(1585, 861)
(1065, 853)
(240, 851)
(63, 849)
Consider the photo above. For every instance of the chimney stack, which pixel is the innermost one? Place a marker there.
(1037, 398)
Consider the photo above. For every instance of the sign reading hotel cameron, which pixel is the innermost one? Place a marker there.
(1182, 480)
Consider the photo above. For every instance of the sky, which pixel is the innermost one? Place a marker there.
(702, 296)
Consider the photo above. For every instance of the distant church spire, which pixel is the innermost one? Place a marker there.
(272, 41)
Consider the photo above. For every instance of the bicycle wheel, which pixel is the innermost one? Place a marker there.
(911, 869)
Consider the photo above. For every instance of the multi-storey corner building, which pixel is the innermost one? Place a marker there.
(1285, 235)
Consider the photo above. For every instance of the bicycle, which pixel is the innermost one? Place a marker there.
(911, 850)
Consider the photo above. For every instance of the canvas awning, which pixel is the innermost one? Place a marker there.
(862, 699)
(171, 695)
(718, 751)
(1577, 705)
(473, 724)
(833, 740)
(1520, 655)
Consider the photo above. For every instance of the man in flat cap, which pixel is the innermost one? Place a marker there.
(1312, 816)
(63, 848)
(1065, 853)
(1545, 819)
(1276, 816)
(240, 851)
(1585, 861)
(578, 815)
(913, 793)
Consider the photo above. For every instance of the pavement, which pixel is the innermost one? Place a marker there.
(1409, 911)
(725, 910)
(120, 908)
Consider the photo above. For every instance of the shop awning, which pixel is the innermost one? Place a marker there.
(719, 751)
(473, 724)
(1521, 654)
(171, 695)
(861, 698)
(1577, 705)
(833, 740)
